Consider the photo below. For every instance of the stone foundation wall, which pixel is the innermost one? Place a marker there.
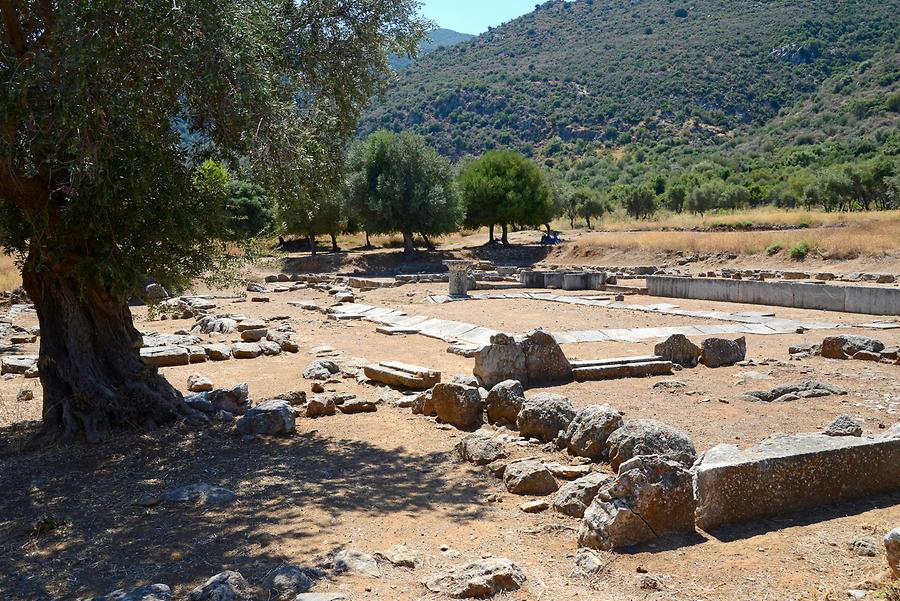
(871, 300)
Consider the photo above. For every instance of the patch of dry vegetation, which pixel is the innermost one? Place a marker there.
(9, 273)
(759, 218)
(877, 237)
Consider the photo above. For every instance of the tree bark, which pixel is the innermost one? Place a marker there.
(491, 234)
(91, 371)
(408, 246)
(428, 243)
(588, 220)
(334, 247)
(311, 240)
(504, 239)
(368, 244)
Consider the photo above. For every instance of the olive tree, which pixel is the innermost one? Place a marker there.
(110, 110)
(400, 184)
(503, 187)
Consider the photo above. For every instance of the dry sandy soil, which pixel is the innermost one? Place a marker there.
(70, 528)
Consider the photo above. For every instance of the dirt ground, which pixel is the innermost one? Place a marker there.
(70, 527)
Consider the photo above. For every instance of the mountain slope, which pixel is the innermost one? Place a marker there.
(437, 38)
(616, 71)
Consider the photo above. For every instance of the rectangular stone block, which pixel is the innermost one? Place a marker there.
(786, 473)
(395, 373)
(165, 356)
(615, 371)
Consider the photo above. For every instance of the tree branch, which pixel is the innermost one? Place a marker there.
(14, 36)
(27, 193)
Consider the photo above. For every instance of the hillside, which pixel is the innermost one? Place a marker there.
(573, 75)
(437, 38)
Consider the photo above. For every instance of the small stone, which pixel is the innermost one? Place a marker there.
(152, 592)
(245, 350)
(317, 387)
(535, 506)
(844, 425)
(892, 550)
(24, 396)
(287, 582)
(227, 586)
(200, 494)
(864, 547)
(588, 562)
(356, 562)
(400, 556)
(320, 369)
(357, 406)
(482, 578)
(199, 383)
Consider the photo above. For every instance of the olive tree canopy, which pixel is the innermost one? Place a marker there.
(110, 109)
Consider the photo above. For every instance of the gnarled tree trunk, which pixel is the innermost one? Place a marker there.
(504, 239)
(408, 245)
(90, 367)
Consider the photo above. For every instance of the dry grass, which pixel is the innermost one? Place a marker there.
(9, 273)
(873, 238)
(758, 218)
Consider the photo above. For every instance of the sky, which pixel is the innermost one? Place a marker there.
(474, 16)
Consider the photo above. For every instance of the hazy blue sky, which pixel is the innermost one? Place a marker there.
(474, 16)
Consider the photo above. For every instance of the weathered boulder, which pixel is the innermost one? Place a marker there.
(456, 404)
(235, 400)
(719, 352)
(504, 401)
(321, 405)
(482, 578)
(320, 369)
(649, 437)
(356, 562)
(575, 497)
(844, 425)
(227, 586)
(199, 383)
(678, 349)
(892, 550)
(151, 592)
(269, 348)
(533, 360)
(400, 556)
(651, 497)
(200, 494)
(286, 582)
(544, 416)
(845, 346)
(275, 416)
(254, 335)
(529, 477)
(209, 324)
(590, 429)
(792, 392)
(788, 473)
(481, 449)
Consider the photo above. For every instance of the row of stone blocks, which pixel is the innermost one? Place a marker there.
(871, 300)
(563, 280)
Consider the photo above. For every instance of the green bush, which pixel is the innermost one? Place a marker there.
(774, 248)
(799, 250)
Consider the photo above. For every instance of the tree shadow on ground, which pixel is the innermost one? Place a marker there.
(70, 524)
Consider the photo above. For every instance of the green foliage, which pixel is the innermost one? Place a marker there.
(503, 187)
(249, 211)
(774, 248)
(398, 183)
(639, 201)
(623, 72)
(800, 250)
(591, 205)
(108, 106)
